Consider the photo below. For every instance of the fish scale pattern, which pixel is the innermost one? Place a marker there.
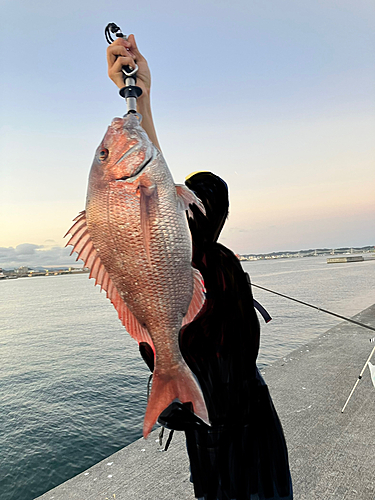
(135, 239)
(154, 290)
(158, 289)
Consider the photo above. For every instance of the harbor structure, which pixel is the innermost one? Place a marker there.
(349, 258)
(330, 452)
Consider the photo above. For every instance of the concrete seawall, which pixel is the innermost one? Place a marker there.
(331, 453)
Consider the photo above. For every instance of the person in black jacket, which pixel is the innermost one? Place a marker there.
(243, 454)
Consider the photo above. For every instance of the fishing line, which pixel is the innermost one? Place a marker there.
(149, 386)
(318, 308)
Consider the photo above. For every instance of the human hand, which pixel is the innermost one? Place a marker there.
(125, 53)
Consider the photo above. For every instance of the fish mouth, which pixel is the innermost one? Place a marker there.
(141, 167)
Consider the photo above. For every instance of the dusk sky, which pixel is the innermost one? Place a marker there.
(277, 97)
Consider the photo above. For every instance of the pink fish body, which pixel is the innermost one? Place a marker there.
(135, 239)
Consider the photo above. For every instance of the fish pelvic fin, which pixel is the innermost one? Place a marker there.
(186, 197)
(82, 244)
(197, 300)
(168, 386)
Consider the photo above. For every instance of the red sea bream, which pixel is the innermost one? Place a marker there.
(134, 237)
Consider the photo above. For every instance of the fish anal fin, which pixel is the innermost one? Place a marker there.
(91, 259)
(179, 383)
(186, 197)
(197, 300)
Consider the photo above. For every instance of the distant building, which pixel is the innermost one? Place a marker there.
(22, 270)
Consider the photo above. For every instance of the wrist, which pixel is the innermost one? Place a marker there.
(145, 96)
(144, 104)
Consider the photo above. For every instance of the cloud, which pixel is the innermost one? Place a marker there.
(28, 254)
(50, 243)
(26, 249)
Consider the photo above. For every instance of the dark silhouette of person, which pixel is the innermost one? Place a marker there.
(243, 454)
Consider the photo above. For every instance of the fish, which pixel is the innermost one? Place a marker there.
(134, 237)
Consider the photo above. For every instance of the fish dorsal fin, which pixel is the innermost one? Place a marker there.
(186, 197)
(197, 300)
(84, 247)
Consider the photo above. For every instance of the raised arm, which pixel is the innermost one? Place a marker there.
(125, 52)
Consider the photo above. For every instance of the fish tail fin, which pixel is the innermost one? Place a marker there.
(166, 387)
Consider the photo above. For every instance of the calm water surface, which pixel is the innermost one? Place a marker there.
(73, 386)
(345, 289)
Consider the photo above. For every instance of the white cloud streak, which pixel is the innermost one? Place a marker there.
(28, 254)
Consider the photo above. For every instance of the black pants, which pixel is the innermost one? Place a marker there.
(242, 461)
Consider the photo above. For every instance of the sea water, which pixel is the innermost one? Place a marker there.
(73, 385)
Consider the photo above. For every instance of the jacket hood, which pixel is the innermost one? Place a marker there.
(213, 192)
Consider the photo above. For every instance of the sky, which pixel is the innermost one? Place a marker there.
(275, 96)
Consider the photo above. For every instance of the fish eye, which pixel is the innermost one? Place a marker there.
(103, 154)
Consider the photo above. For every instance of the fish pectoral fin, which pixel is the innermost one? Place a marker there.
(84, 247)
(186, 197)
(197, 300)
(179, 383)
(127, 318)
(147, 192)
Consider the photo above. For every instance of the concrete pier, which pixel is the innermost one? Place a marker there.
(332, 454)
(351, 258)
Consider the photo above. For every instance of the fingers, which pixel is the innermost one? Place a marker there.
(117, 49)
(122, 47)
(120, 62)
(117, 57)
(124, 52)
(115, 71)
(134, 48)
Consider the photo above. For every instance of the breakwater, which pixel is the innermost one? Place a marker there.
(331, 454)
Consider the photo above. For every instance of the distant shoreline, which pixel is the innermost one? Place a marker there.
(27, 272)
(316, 252)
(14, 274)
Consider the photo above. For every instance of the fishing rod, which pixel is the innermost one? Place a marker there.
(337, 316)
(130, 92)
(318, 308)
